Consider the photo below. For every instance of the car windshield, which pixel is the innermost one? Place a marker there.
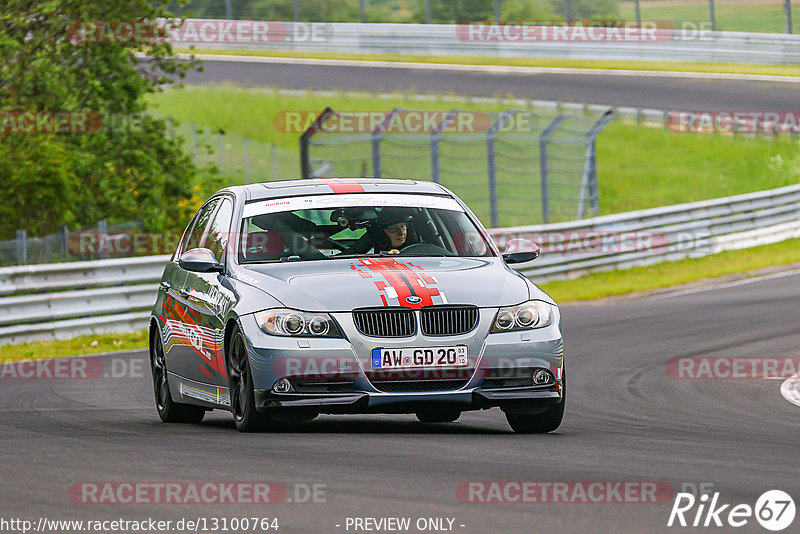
(339, 226)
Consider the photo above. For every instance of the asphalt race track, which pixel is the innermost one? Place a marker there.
(643, 90)
(627, 420)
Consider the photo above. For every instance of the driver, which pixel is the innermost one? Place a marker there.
(394, 225)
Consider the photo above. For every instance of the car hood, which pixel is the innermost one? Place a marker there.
(341, 285)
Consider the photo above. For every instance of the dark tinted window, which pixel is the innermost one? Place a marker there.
(195, 236)
(219, 231)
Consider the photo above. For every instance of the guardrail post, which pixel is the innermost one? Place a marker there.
(22, 248)
(427, 11)
(543, 168)
(102, 239)
(787, 13)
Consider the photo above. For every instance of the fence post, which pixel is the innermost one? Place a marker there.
(376, 136)
(543, 168)
(376, 152)
(787, 13)
(711, 15)
(63, 233)
(296, 10)
(427, 11)
(305, 140)
(194, 143)
(102, 239)
(220, 159)
(22, 248)
(435, 135)
(246, 149)
(589, 179)
(274, 162)
(638, 14)
(491, 135)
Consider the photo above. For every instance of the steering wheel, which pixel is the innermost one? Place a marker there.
(426, 248)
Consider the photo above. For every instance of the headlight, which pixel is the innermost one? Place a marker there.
(528, 315)
(285, 322)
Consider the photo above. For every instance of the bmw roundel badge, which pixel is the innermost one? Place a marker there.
(413, 299)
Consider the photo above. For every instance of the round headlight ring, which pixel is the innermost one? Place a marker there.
(294, 324)
(504, 321)
(319, 326)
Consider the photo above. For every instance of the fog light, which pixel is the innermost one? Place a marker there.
(542, 377)
(282, 386)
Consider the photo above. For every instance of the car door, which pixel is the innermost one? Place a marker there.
(208, 301)
(183, 322)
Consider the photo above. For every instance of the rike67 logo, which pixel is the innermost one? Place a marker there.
(774, 510)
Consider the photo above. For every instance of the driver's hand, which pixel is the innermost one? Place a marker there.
(394, 251)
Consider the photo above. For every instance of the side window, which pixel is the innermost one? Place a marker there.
(218, 232)
(195, 236)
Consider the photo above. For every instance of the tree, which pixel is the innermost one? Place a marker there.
(124, 165)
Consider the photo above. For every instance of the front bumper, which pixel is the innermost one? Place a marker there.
(346, 364)
(519, 400)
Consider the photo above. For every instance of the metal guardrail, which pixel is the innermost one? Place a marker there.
(654, 235)
(64, 300)
(453, 40)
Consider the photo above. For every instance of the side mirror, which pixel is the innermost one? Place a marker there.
(520, 251)
(200, 260)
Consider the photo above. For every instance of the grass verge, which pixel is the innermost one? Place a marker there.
(671, 66)
(79, 346)
(674, 273)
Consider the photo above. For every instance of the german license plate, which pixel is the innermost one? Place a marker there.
(411, 358)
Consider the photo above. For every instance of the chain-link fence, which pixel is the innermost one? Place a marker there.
(731, 15)
(96, 242)
(240, 159)
(512, 167)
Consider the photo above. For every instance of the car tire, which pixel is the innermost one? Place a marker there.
(439, 416)
(168, 410)
(540, 423)
(240, 379)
